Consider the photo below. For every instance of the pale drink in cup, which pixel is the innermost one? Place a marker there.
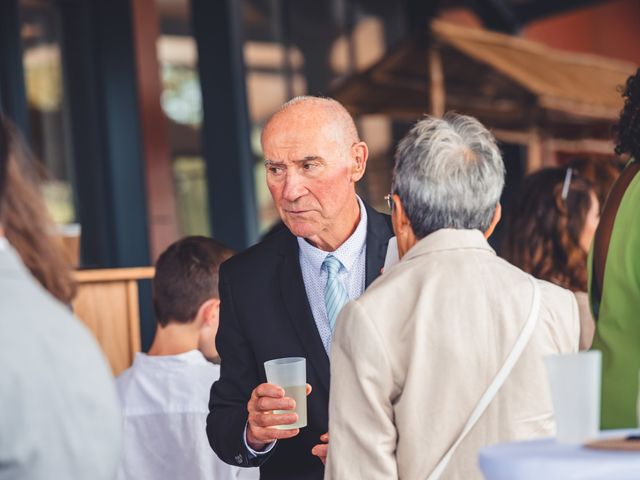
(290, 374)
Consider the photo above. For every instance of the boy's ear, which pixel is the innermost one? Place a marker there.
(209, 311)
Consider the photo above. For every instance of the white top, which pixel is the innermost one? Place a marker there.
(164, 406)
(59, 412)
(352, 254)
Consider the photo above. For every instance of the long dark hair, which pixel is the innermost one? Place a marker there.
(543, 229)
(628, 128)
(26, 221)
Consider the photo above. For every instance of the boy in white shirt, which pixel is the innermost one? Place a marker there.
(165, 393)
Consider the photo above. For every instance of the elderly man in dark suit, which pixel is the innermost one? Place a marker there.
(281, 297)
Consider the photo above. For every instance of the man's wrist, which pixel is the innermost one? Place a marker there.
(256, 452)
(257, 446)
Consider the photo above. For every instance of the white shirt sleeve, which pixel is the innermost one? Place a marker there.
(253, 453)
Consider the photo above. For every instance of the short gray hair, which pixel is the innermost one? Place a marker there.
(448, 173)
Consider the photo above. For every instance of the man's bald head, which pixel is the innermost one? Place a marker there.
(325, 112)
(314, 158)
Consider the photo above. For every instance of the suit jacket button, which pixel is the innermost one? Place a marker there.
(239, 459)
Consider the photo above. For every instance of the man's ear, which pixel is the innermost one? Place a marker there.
(497, 215)
(208, 312)
(360, 154)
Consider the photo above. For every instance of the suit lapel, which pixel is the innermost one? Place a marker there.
(295, 299)
(378, 233)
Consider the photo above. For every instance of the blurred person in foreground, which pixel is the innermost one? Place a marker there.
(59, 417)
(413, 356)
(29, 228)
(614, 275)
(164, 394)
(280, 298)
(549, 233)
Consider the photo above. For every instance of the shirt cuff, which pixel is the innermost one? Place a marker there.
(252, 452)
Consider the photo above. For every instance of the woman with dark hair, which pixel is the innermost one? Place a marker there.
(614, 274)
(28, 226)
(549, 233)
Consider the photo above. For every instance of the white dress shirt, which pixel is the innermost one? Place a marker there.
(164, 406)
(353, 256)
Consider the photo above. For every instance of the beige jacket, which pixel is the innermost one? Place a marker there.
(414, 354)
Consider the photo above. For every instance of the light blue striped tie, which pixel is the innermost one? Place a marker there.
(335, 295)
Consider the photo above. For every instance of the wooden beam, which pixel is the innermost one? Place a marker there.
(586, 145)
(113, 274)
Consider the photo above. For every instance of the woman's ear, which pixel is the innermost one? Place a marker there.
(402, 227)
(497, 215)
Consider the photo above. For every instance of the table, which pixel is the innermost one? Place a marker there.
(548, 460)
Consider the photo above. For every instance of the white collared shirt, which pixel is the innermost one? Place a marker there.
(4, 243)
(164, 407)
(352, 254)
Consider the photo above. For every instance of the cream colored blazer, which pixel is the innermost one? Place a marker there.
(413, 355)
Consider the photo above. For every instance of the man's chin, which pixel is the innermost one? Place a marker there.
(301, 229)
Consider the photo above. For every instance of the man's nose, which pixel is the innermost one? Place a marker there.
(294, 187)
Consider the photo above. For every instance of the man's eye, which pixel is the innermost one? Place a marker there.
(309, 166)
(275, 170)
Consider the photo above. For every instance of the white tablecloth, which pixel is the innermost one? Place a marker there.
(548, 460)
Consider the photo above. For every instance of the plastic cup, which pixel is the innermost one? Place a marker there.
(575, 390)
(290, 374)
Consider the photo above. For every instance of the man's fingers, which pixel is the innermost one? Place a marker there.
(268, 390)
(320, 451)
(309, 389)
(267, 404)
(267, 435)
(271, 420)
(324, 438)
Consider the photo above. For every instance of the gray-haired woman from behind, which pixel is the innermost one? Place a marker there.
(413, 357)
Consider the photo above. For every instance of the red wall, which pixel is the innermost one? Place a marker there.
(611, 28)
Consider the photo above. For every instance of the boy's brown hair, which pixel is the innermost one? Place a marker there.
(186, 277)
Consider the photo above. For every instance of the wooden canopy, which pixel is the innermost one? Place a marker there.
(510, 84)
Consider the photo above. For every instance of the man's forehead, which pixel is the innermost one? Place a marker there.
(313, 135)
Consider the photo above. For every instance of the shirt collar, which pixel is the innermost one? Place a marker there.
(4, 244)
(191, 357)
(347, 253)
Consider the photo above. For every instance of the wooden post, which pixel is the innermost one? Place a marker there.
(534, 151)
(436, 81)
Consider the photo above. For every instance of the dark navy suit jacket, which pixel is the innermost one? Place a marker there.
(264, 315)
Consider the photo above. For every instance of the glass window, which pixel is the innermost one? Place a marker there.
(182, 104)
(48, 115)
